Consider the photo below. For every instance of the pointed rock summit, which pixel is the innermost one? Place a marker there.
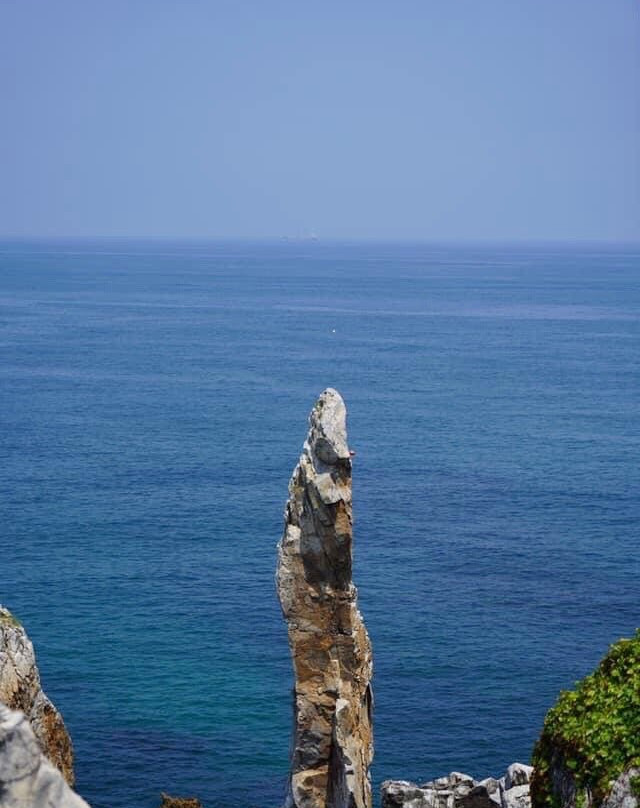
(332, 744)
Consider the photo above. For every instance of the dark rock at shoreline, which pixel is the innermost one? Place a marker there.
(458, 790)
(179, 802)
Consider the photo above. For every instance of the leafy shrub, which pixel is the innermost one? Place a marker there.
(592, 731)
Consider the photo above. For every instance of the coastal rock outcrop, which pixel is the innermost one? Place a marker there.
(588, 754)
(458, 790)
(179, 802)
(20, 689)
(332, 744)
(27, 778)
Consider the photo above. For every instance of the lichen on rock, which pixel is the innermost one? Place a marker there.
(332, 743)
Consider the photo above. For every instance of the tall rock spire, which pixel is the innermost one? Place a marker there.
(332, 744)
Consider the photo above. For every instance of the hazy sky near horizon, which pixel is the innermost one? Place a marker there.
(415, 119)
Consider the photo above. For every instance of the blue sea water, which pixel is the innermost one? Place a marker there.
(154, 399)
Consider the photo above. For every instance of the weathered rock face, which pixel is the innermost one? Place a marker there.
(625, 791)
(27, 778)
(332, 744)
(461, 791)
(20, 690)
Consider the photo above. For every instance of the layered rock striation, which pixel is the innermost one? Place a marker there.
(27, 778)
(20, 689)
(332, 745)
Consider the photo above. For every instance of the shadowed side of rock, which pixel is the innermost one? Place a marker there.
(20, 689)
(332, 744)
(27, 778)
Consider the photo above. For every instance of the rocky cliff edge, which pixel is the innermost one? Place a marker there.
(20, 689)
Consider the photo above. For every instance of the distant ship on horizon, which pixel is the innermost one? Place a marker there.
(310, 236)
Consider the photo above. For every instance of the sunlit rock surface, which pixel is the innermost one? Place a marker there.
(458, 790)
(20, 690)
(332, 744)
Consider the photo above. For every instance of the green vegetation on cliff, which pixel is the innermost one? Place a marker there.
(592, 732)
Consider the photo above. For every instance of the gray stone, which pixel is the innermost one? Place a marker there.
(485, 794)
(624, 791)
(458, 790)
(518, 774)
(515, 797)
(452, 791)
(27, 778)
(402, 794)
(460, 779)
(20, 689)
(490, 784)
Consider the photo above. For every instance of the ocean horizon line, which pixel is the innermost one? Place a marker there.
(319, 242)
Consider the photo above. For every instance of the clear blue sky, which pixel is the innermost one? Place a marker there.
(425, 119)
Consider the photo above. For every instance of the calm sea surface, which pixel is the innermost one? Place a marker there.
(154, 400)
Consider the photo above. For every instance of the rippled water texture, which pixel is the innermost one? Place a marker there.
(154, 402)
